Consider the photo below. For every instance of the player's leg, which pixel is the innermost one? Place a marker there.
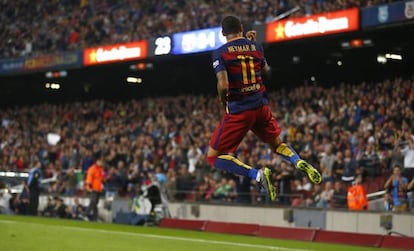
(229, 163)
(288, 153)
(269, 131)
(225, 140)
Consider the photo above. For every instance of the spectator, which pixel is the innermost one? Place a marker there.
(112, 182)
(171, 185)
(78, 211)
(222, 190)
(410, 185)
(370, 162)
(61, 209)
(314, 197)
(306, 184)
(184, 183)
(303, 188)
(350, 167)
(327, 163)
(397, 186)
(284, 178)
(326, 196)
(70, 182)
(23, 200)
(49, 210)
(87, 160)
(408, 153)
(388, 203)
(33, 183)
(5, 198)
(395, 155)
(339, 196)
(232, 195)
(193, 155)
(338, 166)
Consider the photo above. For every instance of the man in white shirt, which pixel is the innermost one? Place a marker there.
(193, 155)
(5, 197)
(408, 153)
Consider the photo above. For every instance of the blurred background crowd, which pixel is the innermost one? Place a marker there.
(33, 28)
(352, 133)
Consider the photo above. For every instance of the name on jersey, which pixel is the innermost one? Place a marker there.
(241, 48)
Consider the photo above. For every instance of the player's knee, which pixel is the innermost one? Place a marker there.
(275, 143)
(211, 159)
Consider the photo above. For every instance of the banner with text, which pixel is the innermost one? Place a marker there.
(57, 61)
(11, 66)
(316, 25)
(115, 53)
(63, 60)
(386, 14)
(197, 41)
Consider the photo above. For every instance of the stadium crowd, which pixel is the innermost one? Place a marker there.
(355, 134)
(34, 28)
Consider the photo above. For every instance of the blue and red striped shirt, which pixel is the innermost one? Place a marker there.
(243, 60)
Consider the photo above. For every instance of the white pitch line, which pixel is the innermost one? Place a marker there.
(8, 221)
(169, 237)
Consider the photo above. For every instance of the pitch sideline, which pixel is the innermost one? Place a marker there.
(153, 236)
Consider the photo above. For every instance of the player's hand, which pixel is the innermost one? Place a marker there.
(251, 35)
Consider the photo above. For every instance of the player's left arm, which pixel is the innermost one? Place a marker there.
(222, 86)
(251, 35)
(266, 71)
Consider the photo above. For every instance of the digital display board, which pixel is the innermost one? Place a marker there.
(197, 41)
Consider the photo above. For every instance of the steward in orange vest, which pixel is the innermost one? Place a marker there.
(357, 196)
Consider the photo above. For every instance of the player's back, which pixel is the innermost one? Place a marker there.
(243, 60)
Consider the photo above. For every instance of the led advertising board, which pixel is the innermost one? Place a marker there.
(115, 53)
(316, 25)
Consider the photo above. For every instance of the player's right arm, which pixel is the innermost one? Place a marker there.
(222, 86)
(221, 75)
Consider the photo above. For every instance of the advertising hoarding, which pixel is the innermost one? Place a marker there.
(115, 53)
(316, 25)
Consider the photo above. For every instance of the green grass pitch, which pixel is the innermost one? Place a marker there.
(18, 233)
